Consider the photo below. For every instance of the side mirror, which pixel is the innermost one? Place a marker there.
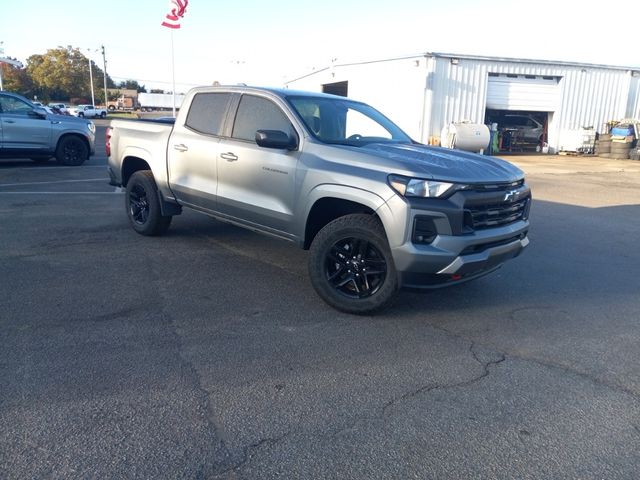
(276, 139)
(39, 112)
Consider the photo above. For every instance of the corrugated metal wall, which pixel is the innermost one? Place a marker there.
(633, 105)
(589, 96)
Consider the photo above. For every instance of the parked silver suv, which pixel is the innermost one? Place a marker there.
(29, 131)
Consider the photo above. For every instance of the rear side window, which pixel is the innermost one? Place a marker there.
(207, 112)
(257, 113)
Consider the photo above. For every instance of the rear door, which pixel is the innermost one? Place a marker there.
(22, 129)
(257, 185)
(193, 149)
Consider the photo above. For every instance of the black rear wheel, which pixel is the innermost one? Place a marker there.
(143, 205)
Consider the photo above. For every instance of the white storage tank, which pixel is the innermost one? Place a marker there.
(471, 137)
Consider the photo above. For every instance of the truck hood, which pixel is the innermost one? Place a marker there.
(443, 164)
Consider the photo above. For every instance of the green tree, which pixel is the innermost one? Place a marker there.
(63, 73)
(132, 85)
(15, 79)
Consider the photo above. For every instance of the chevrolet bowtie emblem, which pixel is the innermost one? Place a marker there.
(511, 195)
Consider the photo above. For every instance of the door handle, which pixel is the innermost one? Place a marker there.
(181, 147)
(9, 121)
(229, 156)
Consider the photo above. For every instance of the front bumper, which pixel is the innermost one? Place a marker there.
(452, 259)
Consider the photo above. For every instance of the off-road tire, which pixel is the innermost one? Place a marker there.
(620, 147)
(603, 146)
(143, 205)
(350, 264)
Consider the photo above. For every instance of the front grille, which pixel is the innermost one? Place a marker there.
(491, 206)
(496, 215)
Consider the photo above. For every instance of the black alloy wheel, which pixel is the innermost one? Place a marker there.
(355, 268)
(72, 151)
(139, 205)
(143, 205)
(351, 266)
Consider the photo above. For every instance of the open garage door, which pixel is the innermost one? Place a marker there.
(522, 92)
(522, 107)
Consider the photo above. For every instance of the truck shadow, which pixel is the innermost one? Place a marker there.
(576, 255)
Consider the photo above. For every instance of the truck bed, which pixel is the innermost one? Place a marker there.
(143, 139)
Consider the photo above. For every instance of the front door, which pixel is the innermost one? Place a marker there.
(257, 185)
(22, 129)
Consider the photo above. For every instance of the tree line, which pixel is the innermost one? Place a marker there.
(61, 74)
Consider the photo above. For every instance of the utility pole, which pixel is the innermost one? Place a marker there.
(1, 55)
(93, 100)
(104, 71)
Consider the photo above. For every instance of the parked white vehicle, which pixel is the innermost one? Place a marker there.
(60, 106)
(150, 102)
(88, 111)
(47, 109)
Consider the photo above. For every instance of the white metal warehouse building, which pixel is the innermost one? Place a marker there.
(424, 93)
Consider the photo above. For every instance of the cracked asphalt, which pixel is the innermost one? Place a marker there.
(205, 354)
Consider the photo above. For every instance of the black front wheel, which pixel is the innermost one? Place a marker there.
(72, 151)
(143, 205)
(350, 265)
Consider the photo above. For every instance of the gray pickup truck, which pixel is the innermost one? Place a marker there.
(377, 210)
(29, 131)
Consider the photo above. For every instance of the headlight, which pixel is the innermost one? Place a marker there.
(91, 126)
(417, 187)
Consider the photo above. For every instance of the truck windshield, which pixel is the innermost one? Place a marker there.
(345, 122)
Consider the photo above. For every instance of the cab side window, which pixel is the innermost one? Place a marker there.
(207, 112)
(257, 113)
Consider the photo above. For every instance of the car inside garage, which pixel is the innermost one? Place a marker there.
(518, 130)
(520, 108)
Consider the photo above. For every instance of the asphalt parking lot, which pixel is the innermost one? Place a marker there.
(206, 353)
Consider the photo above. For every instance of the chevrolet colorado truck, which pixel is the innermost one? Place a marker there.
(29, 131)
(376, 210)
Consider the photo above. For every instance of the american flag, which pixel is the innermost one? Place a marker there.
(172, 19)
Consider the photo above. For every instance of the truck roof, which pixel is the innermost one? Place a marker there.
(280, 92)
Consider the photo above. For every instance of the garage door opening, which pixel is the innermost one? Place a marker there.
(519, 130)
(522, 106)
(338, 88)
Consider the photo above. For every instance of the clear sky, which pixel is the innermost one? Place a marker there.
(265, 43)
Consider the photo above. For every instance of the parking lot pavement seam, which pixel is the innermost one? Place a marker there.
(486, 366)
(209, 416)
(246, 453)
(486, 371)
(547, 364)
(615, 387)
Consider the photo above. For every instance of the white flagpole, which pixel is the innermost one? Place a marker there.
(173, 73)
